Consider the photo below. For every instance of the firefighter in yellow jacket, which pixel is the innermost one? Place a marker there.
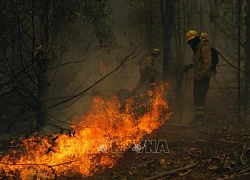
(202, 62)
(204, 37)
(147, 69)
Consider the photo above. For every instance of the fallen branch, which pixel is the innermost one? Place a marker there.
(247, 170)
(204, 156)
(8, 164)
(235, 176)
(174, 171)
(242, 155)
(226, 141)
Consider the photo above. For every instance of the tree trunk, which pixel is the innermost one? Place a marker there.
(239, 104)
(214, 4)
(42, 79)
(149, 24)
(246, 89)
(167, 11)
(179, 53)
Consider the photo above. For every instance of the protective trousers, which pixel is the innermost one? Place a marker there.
(200, 91)
(146, 75)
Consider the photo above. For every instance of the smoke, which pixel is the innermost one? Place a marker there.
(87, 63)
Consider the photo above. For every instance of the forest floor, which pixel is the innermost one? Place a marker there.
(212, 153)
(216, 149)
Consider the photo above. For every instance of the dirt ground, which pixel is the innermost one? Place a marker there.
(216, 149)
(216, 154)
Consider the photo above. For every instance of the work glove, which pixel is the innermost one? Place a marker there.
(187, 67)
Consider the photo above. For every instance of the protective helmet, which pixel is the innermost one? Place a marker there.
(204, 36)
(156, 51)
(191, 34)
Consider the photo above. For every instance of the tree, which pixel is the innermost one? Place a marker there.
(167, 13)
(30, 61)
(179, 50)
(213, 16)
(246, 89)
(149, 24)
(144, 19)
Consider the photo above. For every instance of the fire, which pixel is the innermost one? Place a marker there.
(87, 150)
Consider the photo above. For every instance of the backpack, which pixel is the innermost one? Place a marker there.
(215, 58)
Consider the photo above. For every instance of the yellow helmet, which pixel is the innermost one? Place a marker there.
(191, 34)
(204, 36)
(156, 51)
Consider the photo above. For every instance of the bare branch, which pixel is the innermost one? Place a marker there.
(79, 95)
(171, 172)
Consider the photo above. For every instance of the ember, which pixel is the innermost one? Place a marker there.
(86, 151)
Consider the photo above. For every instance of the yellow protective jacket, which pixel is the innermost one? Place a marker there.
(146, 63)
(202, 60)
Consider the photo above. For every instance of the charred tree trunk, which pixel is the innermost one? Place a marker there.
(214, 4)
(246, 89)
(149, 24)
(167, 11)
(239, 6)
(42, 79)
(179, 53)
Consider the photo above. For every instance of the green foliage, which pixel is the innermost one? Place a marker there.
(93, 12)
(97, 14)
(138, 11)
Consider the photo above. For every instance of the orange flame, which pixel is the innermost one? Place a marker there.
(85, 152)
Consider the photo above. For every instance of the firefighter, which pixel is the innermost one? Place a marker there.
(204, 37)
(215, 53)
(202, 62)
(147, 69)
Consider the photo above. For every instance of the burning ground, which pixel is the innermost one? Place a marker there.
(85, 151)
(200, 152)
